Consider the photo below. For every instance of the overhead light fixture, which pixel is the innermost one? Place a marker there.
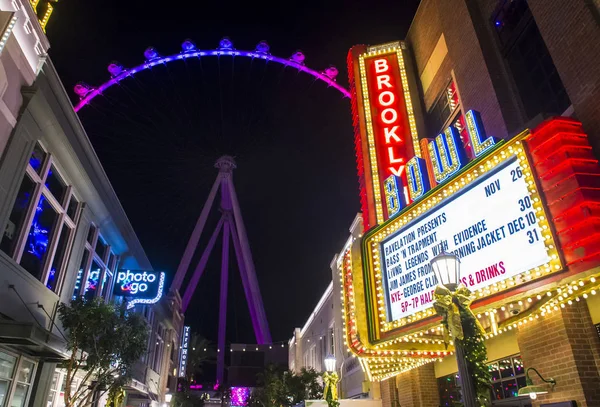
(533, 390)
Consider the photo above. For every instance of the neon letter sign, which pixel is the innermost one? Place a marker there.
(447, 155)
(140, 287)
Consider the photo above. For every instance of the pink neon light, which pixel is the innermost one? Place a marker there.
(239, 396)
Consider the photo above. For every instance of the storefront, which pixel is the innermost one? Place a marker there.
(521, 215)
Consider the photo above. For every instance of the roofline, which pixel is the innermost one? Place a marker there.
(328, 292)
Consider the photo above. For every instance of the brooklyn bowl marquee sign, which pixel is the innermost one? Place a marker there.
(502, 206)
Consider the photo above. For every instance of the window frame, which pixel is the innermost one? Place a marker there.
(500, 380)
(63, 219)
(455, 111)
(13, 380)
(105, 267)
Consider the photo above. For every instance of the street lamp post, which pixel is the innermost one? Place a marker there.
(447, 270)
(330, 379)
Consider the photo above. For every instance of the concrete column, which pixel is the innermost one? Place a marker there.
(565, 346)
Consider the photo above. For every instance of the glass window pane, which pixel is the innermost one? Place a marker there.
(51, 396)
(19, 395)
(506, 369)
(106, 283)
(111, 261)
(72, 209)
(36, 247)
(56, 185)
(494, 371)
(17, 216)
(4, 385)
(521, 382)
(91, 233)
(80, 273)
(38, 156)
(101, 248)
(91, 287)
(518, 364)
(55, 380)
(510, 388)
(7, 365)
(497, 391)
(25, 373)
(59, 257)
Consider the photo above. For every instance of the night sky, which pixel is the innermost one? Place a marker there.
(159, 134)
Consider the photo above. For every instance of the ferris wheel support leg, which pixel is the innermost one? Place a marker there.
(262, 330)
(223, 304)
(195, 237)
(247, 289)
(189, 291)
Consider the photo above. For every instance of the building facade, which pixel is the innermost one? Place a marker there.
(322, 336)
(518, 64)
(155, 375)
(65, 231)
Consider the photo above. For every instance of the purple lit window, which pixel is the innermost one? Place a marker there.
(41, 230)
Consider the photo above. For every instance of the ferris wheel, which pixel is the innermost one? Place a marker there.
(231, 224)
(118, 73)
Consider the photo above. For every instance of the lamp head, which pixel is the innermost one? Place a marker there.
(446, 267)
(532, 390)
(330, 363)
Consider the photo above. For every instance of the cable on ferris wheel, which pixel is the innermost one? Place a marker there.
(87, 93)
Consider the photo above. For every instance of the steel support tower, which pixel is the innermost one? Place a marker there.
(232, 225)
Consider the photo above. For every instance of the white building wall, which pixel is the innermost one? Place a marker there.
(324, 327)
(21, 58)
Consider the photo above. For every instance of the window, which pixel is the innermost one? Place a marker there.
(16, 376)
(508, 376)
(442, 110)
(97, 267)
(39, 231)
(158, 349)
(447, 111)
(331, 341)
(53, 394)
(533, 71)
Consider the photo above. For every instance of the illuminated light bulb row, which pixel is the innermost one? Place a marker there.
(47, 14)
(7, 32)
(561, 301)
(408, 103)
(564, 296)
(506, 152)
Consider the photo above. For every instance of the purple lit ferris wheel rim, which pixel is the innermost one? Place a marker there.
(196, 53)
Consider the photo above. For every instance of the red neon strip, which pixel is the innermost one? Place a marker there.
(566, 162)
(584, 204)
(557, 137)
(572, 175)
(571, 193)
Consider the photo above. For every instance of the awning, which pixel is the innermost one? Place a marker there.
(33, 340)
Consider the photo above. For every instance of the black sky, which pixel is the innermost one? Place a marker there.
(159, 134)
